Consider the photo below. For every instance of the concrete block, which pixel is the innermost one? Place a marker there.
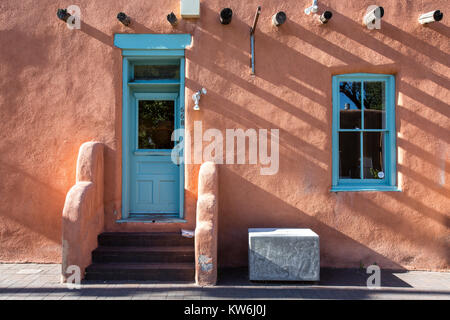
(283, 254)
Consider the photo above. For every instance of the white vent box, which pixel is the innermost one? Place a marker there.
(190, 8)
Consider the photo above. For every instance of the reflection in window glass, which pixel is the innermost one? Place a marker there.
(373, 145)
(156, 124)
(350, 105)
(154, 72)
(374, 105)
(349, 155)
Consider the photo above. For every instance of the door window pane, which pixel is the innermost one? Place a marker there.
(154, 72)
(350, 105)
(373, 145)
(156, 124)
(349, 155)
(374, 105)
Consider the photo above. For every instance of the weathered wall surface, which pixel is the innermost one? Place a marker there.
(60, 88)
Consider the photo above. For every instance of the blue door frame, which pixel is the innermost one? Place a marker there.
(138, 49)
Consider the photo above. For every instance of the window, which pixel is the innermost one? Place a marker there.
(156, 69)
(364, 152)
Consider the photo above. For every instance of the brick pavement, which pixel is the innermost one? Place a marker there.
(42, 282)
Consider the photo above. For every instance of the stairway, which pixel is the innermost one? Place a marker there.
(142, 256)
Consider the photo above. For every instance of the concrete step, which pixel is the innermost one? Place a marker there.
(141, 271)
(174, 254)
(143, 239)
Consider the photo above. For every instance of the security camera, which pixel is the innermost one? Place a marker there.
(373, 14)
(431, 16)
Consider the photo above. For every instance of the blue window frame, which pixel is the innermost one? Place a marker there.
(364, 149)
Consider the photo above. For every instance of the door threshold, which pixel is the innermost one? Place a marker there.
(152, 218)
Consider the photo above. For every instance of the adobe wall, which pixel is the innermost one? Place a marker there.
(60, 88)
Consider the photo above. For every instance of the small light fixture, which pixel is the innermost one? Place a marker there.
(226, 15)
(278, 18)
(325, 17)
(63, 14)
(373, 14)
(196, 97)
(431, 16)
(313, 9)
(172, 18)
(122, 17)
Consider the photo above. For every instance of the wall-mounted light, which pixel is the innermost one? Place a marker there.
(63, 14)
(313, 8)
(172, 18)
(279, 18)
(325, 17)
(196, 97)
(122, 17)
(431, 16)
(226, 15)
(375, 13)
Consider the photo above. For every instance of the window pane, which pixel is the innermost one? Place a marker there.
(153, 72)
(350, 105)
(374, 105)
(156, 124)
(373, 145)
(349, 155)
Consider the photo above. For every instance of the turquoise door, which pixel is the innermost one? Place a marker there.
(154, 179)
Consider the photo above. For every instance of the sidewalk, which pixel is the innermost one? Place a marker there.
(41, 281)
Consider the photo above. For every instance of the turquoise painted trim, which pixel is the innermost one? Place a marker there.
(168, 220)
(125, 144)
(129, 87)
(153, 53)
(390, 158)
(142, 83)
(358, 188)
(182, 112)
(152, 41)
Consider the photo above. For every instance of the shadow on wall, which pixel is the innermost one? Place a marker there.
(267, 208)
(113, 148)
(268, 211)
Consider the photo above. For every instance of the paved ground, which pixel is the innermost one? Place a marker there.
(41, 281)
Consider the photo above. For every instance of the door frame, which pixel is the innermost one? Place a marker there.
(129, 90)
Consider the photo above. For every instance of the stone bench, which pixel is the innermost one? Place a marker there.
(283, 254)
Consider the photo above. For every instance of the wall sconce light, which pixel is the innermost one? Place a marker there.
(226, 15)
(325, 16)
(278, 18)
(122, 17)
(372, 15)
(196, 97)
(431, 16)
(172, 18)
(313, 9)
(63, 14)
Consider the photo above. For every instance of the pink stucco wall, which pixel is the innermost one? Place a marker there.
(60, 88)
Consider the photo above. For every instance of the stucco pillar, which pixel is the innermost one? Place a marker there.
(207, 225)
